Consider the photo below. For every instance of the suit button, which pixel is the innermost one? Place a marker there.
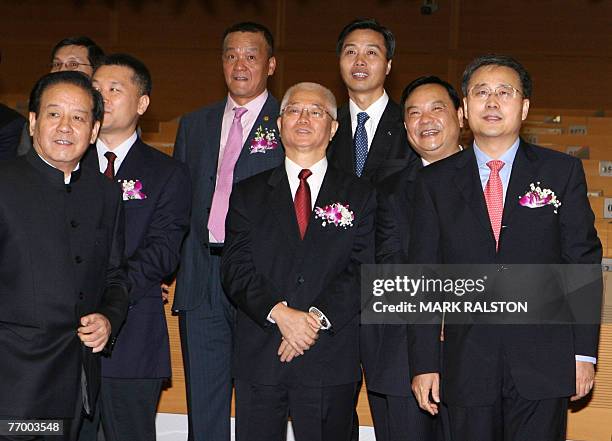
(212, 178)
(208, 210)
(205, 245)
(74, 223)
(68, 188)
(300, 280)
(81, 296)
(78, 259)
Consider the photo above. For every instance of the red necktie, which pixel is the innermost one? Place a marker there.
(302, 202)
(494, 196)
(110, 166)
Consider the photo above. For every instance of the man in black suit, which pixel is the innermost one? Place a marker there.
(63, 286)
(433, 118)
(297, 236)
(502, 382)
(79, 54)
(157, 218)
(371, 140)
(222, 144)
(11, 125)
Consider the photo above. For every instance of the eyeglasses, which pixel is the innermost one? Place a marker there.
(504, 92)
(313, 111)
(70, 65)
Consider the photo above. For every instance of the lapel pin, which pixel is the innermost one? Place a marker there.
(389, 133)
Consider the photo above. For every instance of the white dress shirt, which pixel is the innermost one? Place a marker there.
(121, 151)
(314, 183)
(375, 112)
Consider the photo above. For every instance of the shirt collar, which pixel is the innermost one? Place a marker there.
(374, 111)
(317, 169)
(253, 107)
(121, 150)
(508, 157)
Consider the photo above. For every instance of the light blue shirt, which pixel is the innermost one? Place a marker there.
(484, 171)
(508, 159)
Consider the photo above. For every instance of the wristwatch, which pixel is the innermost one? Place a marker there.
(322, 319)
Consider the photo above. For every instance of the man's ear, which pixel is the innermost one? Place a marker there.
(279, 123)
(334, 129)
(143, 104)
(465, 108)
(525, 109)
(32, 118)
(271, 66)
(388, 67)
(94, 132)
(460, 116)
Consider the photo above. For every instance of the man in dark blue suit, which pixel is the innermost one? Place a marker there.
(502, 382)
(156, 195)
(222, 144)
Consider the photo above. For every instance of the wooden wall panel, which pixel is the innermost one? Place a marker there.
(412, 31)
(187, 24)
(567, 46)
(547, 27)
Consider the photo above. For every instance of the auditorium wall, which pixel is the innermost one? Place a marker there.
(567, 46)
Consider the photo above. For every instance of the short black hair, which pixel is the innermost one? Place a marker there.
(257, 28)
(498, 60)
(67, 77)
(141, 77)
(367, 23)
(94, 52)
(432, 79)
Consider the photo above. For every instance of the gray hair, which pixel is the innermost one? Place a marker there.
(330, 99)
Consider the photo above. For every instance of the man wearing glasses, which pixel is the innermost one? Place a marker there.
(297, 236)
(502, 382)
(80, 54)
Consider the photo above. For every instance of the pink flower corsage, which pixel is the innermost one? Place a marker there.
(335, 214)
(132, 189)
(265, 139)
(538, 197)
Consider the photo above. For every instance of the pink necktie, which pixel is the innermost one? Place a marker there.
(225, 178)
(494, 196)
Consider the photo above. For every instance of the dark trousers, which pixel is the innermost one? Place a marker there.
(398, 418)
(126, 408)
(511, 417)
(71, 426)
(317, 413)
(206, 342)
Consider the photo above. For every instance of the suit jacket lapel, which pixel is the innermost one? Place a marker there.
(266, 117)
(211, 138)
(327, 192)
(342, 144)
(523, 174)
(468, 183)
(133, 164)
(282, 205)
(381, 143)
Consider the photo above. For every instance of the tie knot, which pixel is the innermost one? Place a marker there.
(304, 174)
(110, 156)
(362, 117)
(239, 111)
(496, 165)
